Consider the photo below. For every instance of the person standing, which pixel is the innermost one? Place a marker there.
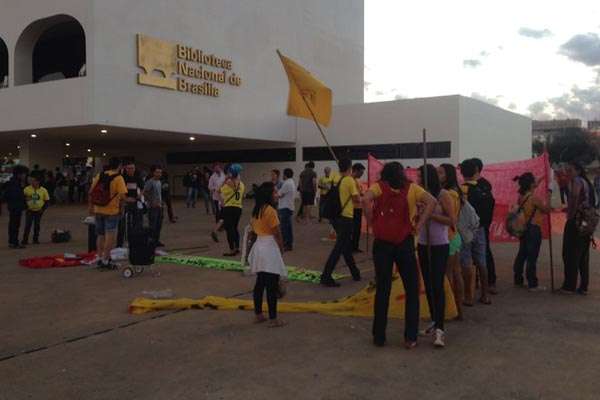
(107, 209)
(529, 244)
(395, 218)
(475, 252)
(16, 204)
(265, 256)
(166, 196)
(324, 186)
(563, 181)
(597, 187)
(433, 251)
(190, 182)
(486, 216)
(576, 247)
(37, 201)
(343, 225)
(276, 178)
(232, 193)
(307, 186)
(203, 176)
(214, 186)
(132, 219)
(357, 172)
(286, 208)
(449, 181)
(153, 192)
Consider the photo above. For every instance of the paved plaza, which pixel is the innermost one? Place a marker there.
(66, 333)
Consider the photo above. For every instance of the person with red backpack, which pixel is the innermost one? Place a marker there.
(395, 219)
(105, 199)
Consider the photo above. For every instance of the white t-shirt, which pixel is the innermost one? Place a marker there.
(214, 185)
(286, 194)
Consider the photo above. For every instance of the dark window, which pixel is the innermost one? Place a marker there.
(59, 53)
(3, 64)
(240, 156)
(381, 151)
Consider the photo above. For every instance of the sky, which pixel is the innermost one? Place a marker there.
(536, 58)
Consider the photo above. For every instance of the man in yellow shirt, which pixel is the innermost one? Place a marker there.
(324, 185)
(343, 225)
(107, 215)
(37, 199)
(357, 172)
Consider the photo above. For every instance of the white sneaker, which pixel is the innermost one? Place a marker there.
(429, 331)
(439, 338)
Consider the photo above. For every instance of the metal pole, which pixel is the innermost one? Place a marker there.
(430, 272)
(549, 219)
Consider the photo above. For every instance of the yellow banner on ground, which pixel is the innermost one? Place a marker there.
(305, 88)
(357, 305)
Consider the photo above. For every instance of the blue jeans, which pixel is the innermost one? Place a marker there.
(529, 250)
(285, 218)
(192, 196)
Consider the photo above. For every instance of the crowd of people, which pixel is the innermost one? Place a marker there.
(435, 228)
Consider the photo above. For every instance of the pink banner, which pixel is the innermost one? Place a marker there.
(504, 188)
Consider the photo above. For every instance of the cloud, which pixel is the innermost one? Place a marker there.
(512, 106)
(583, 48)
(535, 33)
(581, 103)
(399, 97)
(490, 100)
(484, 54)
(471, 63)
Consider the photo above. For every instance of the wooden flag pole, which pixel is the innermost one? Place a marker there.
(314, 117)
(425, 179)
(364, 205)
(549, 219)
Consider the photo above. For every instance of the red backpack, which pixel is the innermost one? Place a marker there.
(100, 194)
(391, 220)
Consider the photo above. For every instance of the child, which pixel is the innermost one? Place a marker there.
(265, 257)
(37, 198)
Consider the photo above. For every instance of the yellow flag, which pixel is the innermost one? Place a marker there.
(304, 86)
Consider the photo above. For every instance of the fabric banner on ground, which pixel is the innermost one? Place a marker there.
(504, 188)
(294, 273)
(358, 305)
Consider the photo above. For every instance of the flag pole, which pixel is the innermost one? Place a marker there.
(314, 117)
(549, 219)
(368, 187)
(425, 179)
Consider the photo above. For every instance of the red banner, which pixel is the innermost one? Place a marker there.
(504, 188)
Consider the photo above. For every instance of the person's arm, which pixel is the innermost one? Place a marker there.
(539, 205)
(367, 201)
(448, 218)
(278, 238)
(428, 203)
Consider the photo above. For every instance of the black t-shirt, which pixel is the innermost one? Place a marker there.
(307, 178)
(133, 183)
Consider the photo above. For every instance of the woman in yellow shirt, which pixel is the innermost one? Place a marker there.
(529, 244)
(265, 257)
(232, 193)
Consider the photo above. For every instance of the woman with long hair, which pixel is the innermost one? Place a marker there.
(394, 217)
(529, 244)
(265, 257)
(434, 249)
(576, 247)
(449, 182)
(232, 193)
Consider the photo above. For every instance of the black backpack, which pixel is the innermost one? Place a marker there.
(333, 204)
(481, 198)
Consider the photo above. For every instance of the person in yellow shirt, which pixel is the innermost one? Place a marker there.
(108, 216)
(357, 172)
(37, 199)
(265, 257)
(324, 186)
(232, 193)
(343, 225)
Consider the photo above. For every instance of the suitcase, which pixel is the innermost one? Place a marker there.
(141, 247)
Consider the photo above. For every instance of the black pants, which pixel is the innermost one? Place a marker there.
(14, 224)
(155, 220)
(217, 210)
(489, 258)
(576, 257)
(434, 272)
(529, 250)
(131, 221)
(169, 205)
(270, 282)
(32, 218)
(384, 256)
(357, 228)
(231, 219)
(343, 246)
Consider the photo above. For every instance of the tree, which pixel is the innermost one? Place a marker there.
(573, 144)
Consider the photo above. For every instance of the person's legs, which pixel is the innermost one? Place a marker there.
(228, 221)
(259, 288)
(468, 272)
(111, 224)
(407, 264)
(519, 263)
(121, 231)
(272, 283)
(584, 265)
(570, 256)
(100, 235)
(37, 221)
(236, 231)
(285, 217)
(533, 243)
(383, 259)
(479, 247)
(28, 224)
(188, 198)
(345, 231)
(454, 274)
(217, 210)
(357, 225)
(14, 223)
(434, 271)
(490, 263)
(334, 256)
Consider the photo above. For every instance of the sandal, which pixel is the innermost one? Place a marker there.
(277, 323)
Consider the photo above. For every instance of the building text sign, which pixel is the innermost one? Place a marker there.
(183, 68)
